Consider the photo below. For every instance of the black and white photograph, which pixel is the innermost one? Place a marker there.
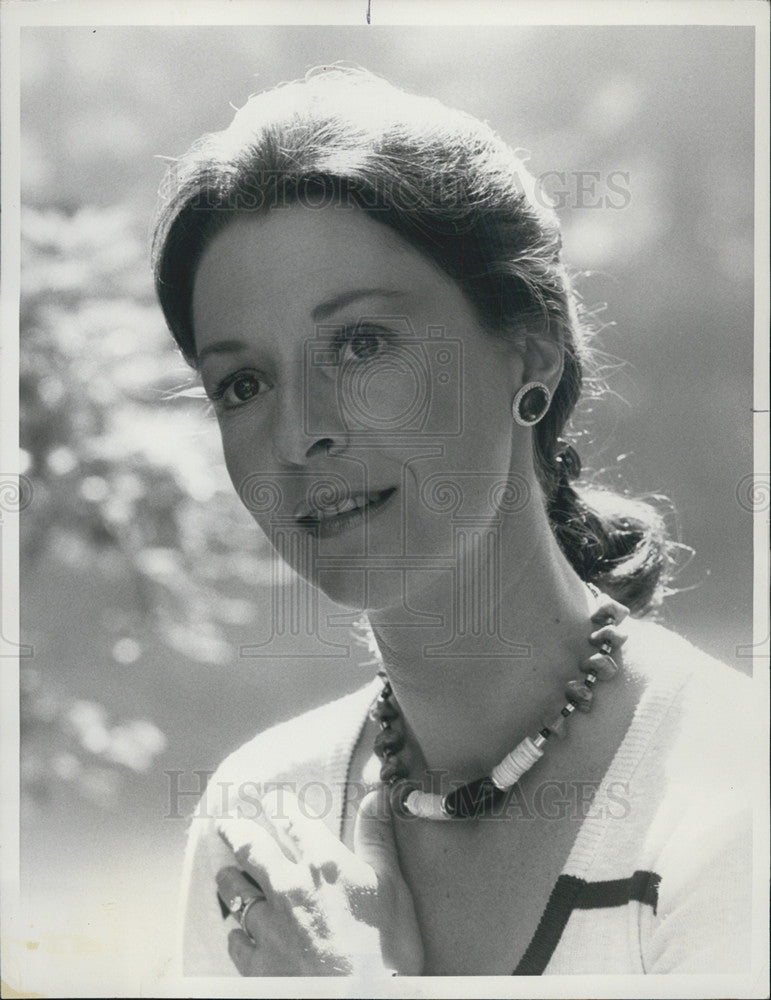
(384, 499)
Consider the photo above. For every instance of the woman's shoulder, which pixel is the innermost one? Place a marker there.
(314, 746)
(695, 712)
(663, 658)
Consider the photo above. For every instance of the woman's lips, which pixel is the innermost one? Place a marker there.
(358, 508)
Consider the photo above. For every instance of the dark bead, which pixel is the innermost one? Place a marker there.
(388, 740)
(610, 612)
(602, 666)
(474, 799)
(580, 695)
(607, 638)
(383, 710)
(608, 633)
(393, 769)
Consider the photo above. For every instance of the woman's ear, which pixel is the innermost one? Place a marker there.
(542, 359)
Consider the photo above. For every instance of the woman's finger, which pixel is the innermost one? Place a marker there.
(242, 952)
(234, 888)
(256, 850)
(243, 900)
(307, 838)
(373, 833)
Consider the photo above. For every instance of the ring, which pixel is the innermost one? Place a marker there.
(242, 912)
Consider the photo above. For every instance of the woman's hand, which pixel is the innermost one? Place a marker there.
(327, 910)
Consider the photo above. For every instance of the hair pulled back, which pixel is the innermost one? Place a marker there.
(447, 184)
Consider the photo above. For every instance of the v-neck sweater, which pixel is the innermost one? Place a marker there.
(659, 876)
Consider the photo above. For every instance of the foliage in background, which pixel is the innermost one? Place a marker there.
(126, 474)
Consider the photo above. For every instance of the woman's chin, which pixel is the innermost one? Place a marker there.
(359, 591)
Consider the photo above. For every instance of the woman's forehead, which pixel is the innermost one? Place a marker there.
(294, 261)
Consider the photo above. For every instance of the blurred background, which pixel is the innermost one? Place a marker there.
(142, 578)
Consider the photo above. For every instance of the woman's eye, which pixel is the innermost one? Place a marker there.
(362, 343)
(238, 389)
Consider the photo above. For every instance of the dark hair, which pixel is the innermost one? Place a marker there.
(447, 184)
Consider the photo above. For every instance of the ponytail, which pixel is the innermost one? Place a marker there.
(615, 542)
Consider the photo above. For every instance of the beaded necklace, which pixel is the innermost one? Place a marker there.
(480, 796)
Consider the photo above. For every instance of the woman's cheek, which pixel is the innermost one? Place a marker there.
(239, 449)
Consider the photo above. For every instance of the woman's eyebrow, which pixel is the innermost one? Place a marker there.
(320, 313)
(221, 347)
(325, 309)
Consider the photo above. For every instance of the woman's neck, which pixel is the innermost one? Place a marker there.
(470, 689)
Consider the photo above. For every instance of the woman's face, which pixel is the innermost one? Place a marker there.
(364, 413)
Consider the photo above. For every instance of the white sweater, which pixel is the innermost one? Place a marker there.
(659, 876)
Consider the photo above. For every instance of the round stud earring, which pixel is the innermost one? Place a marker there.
(531, 403)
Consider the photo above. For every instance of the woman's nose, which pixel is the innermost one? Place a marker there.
(307, 422)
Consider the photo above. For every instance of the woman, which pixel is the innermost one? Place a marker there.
(371, 288)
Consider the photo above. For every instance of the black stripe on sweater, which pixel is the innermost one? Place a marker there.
(571, 893)
(642, 887)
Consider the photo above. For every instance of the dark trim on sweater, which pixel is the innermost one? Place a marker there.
(572, 893)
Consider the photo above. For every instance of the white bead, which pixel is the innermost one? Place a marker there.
(426, 805)
(514, 765)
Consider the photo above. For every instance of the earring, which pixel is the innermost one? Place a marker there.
(531, 403)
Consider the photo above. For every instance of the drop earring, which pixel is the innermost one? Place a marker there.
(531, 403)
